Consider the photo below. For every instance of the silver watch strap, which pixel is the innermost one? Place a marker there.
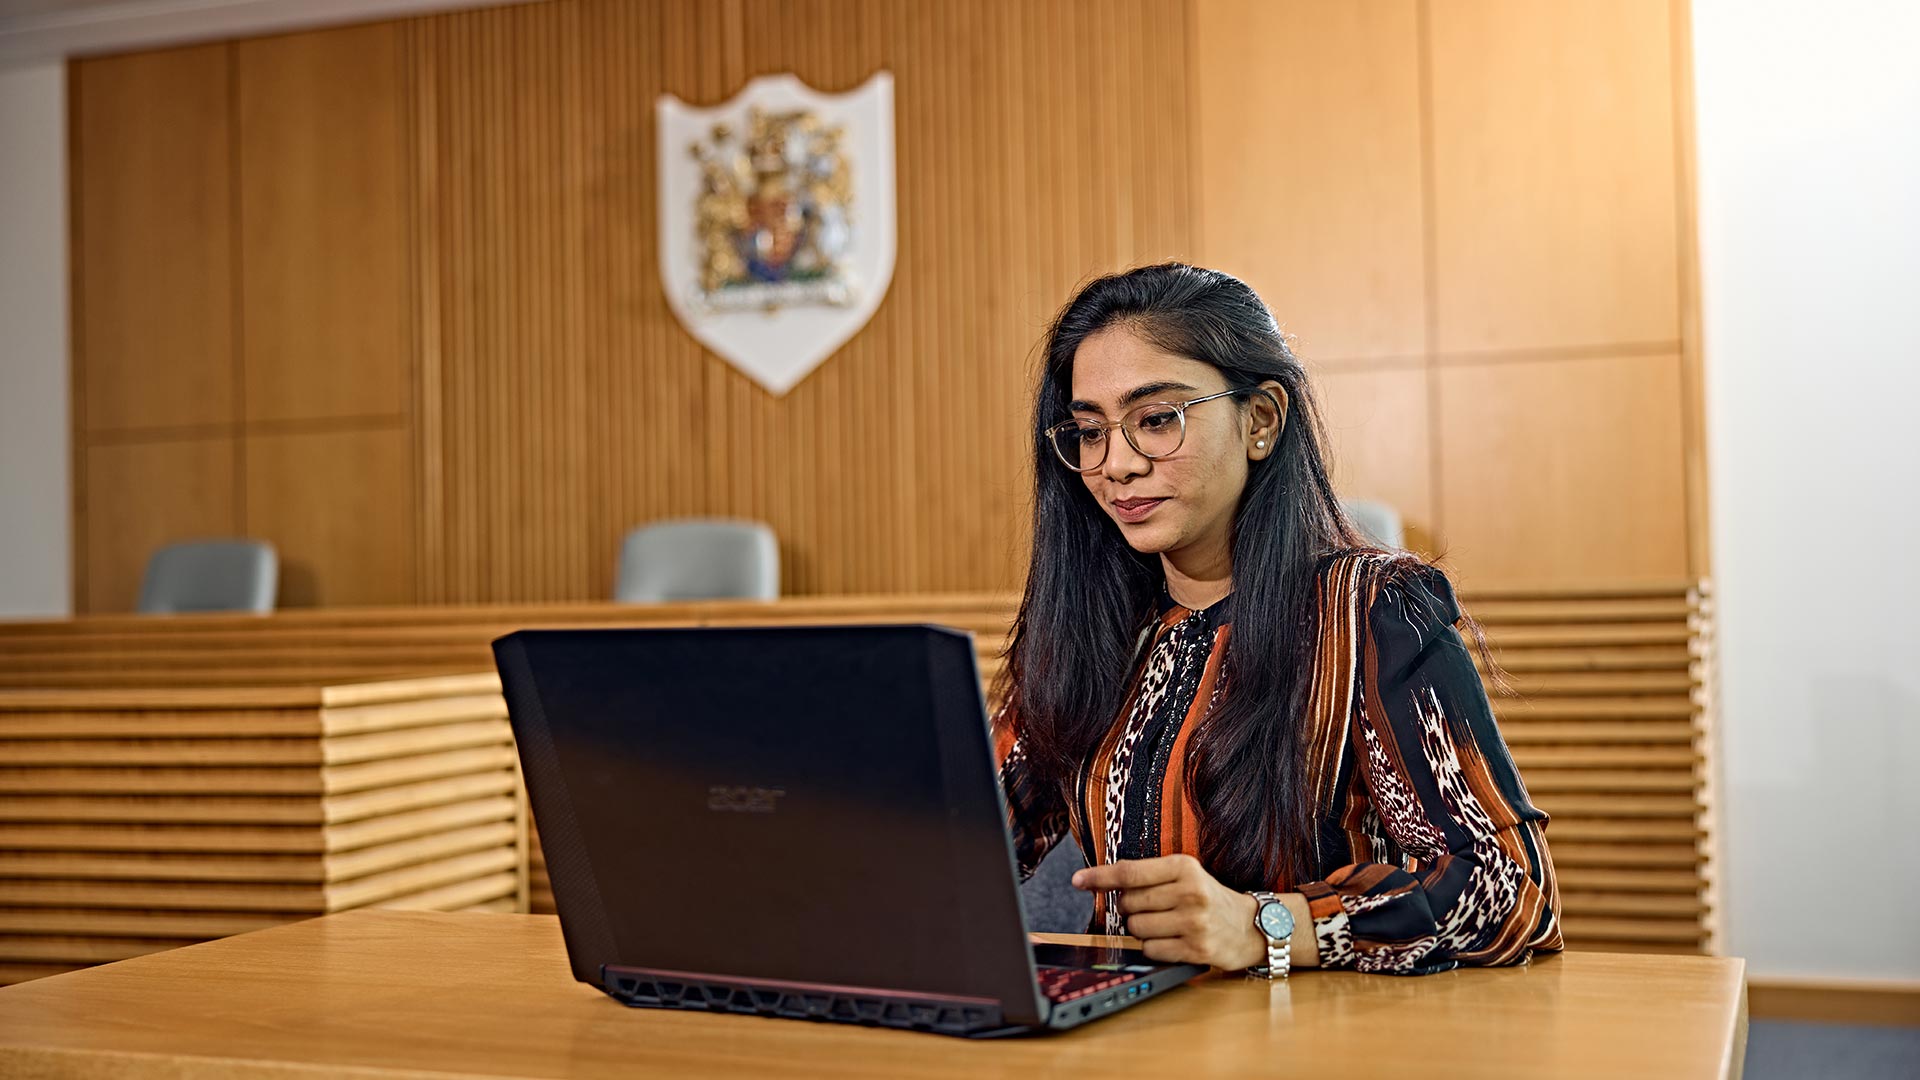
(1279, 950)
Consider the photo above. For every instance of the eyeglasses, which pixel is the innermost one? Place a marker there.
(1155, 429)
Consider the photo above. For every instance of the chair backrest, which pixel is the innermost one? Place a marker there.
(211, 575)
(698, 559)
(1378, 520)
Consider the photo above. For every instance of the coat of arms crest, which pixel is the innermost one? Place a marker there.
(777, 221)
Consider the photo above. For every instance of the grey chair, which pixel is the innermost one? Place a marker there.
(1378, 520)
(698, 559)
(211, 575)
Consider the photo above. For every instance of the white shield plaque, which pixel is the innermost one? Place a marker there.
(776, 221)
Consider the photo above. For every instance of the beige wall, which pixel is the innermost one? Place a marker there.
(386, 295)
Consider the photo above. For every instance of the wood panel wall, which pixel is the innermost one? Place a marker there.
(1476, 218)
(387, 295)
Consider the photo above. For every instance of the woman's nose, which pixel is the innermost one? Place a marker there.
(1123, 461)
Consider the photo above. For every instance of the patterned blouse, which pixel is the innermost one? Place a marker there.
(1432, 855)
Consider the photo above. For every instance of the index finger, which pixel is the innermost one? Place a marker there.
(1129, 874)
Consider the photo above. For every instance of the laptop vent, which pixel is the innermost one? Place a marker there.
(919, 1015)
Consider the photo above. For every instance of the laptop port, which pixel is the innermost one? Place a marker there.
(1086, 1010)
(1146, 988)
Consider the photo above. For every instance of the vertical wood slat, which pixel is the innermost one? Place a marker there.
(426, 403)
(574, 407)
(77, 313)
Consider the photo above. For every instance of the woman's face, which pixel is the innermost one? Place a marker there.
(1185, 502)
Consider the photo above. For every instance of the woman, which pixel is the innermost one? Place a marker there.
(1268, 737)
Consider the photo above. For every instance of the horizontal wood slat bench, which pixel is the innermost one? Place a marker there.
(1608, 722)
(134, 821)
(1610, 725)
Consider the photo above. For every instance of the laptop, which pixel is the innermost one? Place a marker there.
(799, 822)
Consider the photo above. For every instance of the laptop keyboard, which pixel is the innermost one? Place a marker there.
(1067, 983)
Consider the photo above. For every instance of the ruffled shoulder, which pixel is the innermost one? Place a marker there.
(1410, 607)
(1413, 621)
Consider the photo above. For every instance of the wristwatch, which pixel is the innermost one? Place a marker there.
(1275, 922)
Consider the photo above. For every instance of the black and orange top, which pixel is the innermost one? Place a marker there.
(1432, 855)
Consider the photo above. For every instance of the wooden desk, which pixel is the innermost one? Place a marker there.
(388, 993)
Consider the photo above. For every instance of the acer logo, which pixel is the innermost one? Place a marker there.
(743, 800)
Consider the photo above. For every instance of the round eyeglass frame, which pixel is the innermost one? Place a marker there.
(1106, 427)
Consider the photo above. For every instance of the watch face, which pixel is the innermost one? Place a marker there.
(1275, 920)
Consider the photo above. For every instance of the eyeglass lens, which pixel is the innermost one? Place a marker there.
(1154, 429)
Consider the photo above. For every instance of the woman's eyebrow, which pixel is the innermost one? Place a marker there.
(1133, 395)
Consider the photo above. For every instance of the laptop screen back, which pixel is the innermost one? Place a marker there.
(807, 804)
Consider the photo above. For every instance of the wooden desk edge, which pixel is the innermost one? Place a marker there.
(64, 1063)
(33, 1059)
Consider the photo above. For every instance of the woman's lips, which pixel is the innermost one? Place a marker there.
(1132, 510)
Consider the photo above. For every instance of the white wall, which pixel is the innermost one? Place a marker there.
(1809, 153)
(35, 570)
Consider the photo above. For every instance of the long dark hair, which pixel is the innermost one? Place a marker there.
(1089, 594)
